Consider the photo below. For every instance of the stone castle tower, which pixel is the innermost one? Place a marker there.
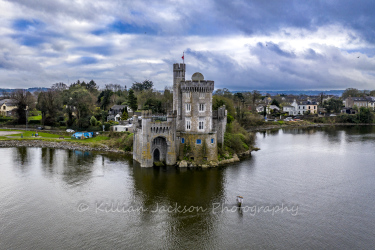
(192, 131)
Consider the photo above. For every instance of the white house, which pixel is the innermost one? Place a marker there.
(301, 108)
(122, 128)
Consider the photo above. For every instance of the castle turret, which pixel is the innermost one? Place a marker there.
(178, 76)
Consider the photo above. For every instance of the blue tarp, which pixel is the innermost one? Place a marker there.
(78, 135)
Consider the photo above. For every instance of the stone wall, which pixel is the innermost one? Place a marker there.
(198, 153)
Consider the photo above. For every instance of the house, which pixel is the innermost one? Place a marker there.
(7, 106)
(260, 108)
(366, 101)
(122, 128)
(191, 131)
(272, 108)
(300, 108)
(350, 111)
(115, 112)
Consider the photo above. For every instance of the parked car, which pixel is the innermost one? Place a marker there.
(40, 128)
(70, 130)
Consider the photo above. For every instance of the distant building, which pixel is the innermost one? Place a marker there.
(367, 102)
(115, 112)
(300, 108)
(122, 128)
(7, 106)
(192, 131)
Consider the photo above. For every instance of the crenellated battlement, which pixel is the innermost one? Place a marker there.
(197, 86)
(179, 66)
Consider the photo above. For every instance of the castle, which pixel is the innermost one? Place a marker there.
(192, 131)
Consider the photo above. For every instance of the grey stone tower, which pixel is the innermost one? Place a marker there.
(178, 77)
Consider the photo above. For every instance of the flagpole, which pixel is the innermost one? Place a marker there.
(183, 57)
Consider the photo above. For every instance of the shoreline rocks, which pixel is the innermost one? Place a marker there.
(58, 145)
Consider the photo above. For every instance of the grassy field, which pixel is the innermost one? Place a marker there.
(40, 134)
(35, 118)
(29, 135)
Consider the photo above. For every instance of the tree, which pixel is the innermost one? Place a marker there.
(83, 104)
(23, 99)
(132, 100)
(365, 115)
(60, 86)
(255, 95)
(145, 85)
(93, 121)
(125, 114)
(321, 97)
(218, 101)
(50, 104)
(104, 98)
(275, 102)
(154, 105)
(333, 105)
(351, 92)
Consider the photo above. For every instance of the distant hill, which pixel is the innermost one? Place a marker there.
(299, 92)
(31, 90)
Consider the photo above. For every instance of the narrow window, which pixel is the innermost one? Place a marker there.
(188, 107)
(200, 126)
(182, 140)
(188, 125)
(199, 141)
(201, 106)
(212, 140)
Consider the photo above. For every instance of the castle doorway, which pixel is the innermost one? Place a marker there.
(159, 149)
(156, 155)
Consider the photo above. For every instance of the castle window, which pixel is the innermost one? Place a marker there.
(200, 127)
(202, 95)
(201, 106)
(199, 141)
(182, 140)
(187, 95)
(212, 140)
(188, 106)
(188, 125)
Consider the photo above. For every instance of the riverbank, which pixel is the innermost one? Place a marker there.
(60, 145)
(304, 125)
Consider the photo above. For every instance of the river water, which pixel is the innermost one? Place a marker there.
(311, 188)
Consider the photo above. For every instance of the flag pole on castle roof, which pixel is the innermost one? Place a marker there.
(183, 57)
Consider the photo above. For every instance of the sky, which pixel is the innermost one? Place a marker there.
(240, 44)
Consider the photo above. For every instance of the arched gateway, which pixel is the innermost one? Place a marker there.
(159, 149)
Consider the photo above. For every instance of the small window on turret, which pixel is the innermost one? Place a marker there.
(201, 106)
(212, 140)
(199, 141)
(188, 107)
(182, 140)
(202, 95)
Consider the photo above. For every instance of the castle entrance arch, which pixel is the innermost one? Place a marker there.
(156, 154)
(159, 149)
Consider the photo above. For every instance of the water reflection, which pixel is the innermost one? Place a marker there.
(21, 155)
(184, 189)
(333, 134)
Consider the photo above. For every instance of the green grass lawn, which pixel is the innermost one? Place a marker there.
(41, 134)
(35, 118)
(93, 139)
(27, 135)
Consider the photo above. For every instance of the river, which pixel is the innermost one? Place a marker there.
(310, 187)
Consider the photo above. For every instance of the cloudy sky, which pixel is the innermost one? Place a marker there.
(240, 44)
